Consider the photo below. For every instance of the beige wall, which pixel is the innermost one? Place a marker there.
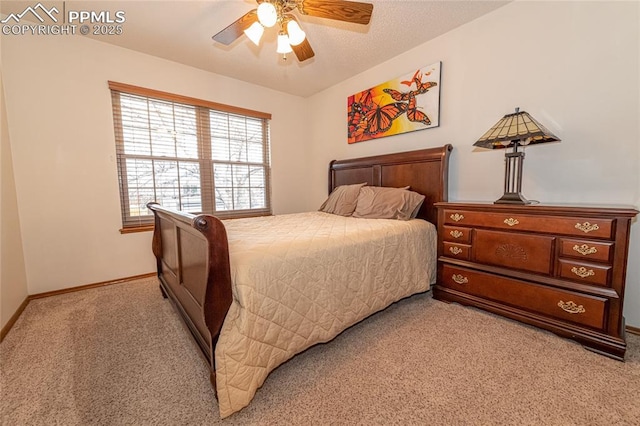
(632, 310)
(13, 279)
(572, 65)
(61, 128)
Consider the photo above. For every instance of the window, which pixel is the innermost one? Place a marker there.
(188, 154)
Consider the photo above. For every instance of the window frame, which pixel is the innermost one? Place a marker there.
(205, 158)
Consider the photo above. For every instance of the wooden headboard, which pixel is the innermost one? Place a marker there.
(426, 171)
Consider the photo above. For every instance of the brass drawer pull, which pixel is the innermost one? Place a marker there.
(582, 272)
(511, 221)
(457, 217)
(585, 249)
(456, 234)
(460, 279)
(587, 227)
(455, 250)
(571, 307)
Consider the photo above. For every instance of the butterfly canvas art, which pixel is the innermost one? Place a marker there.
(405, 104)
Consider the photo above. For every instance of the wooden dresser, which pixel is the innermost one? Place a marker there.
(561, 268)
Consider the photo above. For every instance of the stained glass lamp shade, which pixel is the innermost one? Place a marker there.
(513, 130)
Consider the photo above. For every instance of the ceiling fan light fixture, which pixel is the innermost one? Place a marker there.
(296, 35)
(283, 43)
(270, 13)
(254, 32)
(267, 14)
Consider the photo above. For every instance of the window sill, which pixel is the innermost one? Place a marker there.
(134, 229)
(150, 227)
(242, 215)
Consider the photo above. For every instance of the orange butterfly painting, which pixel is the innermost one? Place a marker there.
(380, 118)
(405, 104)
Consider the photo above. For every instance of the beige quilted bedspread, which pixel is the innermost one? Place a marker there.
(301, 279)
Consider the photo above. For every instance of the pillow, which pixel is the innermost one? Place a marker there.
(342, 200)
(377, 202)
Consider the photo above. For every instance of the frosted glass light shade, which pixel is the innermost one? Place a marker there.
(296, 35)
(254, 32)
(267, 14)
(283, 43)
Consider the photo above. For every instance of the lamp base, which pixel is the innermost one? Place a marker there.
(512, 198)
(513, 178)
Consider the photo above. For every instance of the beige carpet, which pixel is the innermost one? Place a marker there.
(119, 355)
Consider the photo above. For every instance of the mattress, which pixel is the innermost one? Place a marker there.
(301, 279)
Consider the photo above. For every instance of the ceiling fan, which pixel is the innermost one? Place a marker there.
(291, 38)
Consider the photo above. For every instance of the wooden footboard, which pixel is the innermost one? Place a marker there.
(192, 255)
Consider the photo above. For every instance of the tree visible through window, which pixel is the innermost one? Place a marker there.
(186, 155)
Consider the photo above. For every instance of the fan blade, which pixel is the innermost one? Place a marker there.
(236, 29)
(348, 11)
(303, 51)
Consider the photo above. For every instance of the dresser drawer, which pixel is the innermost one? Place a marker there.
(527, 252)
(456, 234)
(587, 250)
(457, 251)
(585, 272)
(576, 226)
(577, 308)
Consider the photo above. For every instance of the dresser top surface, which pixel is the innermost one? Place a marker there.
(555, 209)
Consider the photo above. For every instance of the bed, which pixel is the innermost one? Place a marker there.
(255, 292)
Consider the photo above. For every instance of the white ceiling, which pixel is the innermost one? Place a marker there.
(181, 31)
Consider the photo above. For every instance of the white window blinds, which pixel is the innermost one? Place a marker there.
(188, 154)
